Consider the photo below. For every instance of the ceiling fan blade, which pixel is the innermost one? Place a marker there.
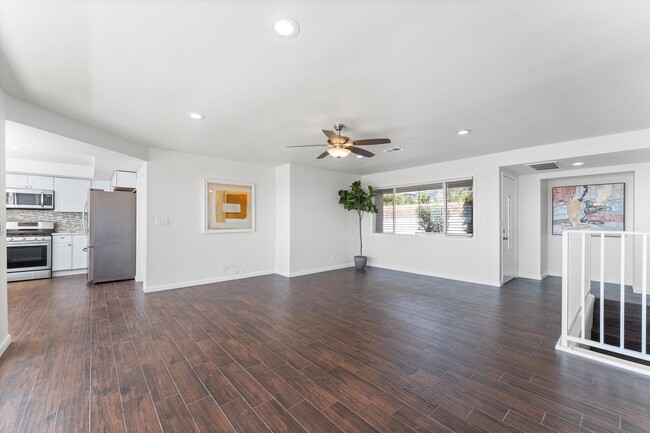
(322, 155)
(309, 145)
(330, 134)
(371, 141)
(362, 152)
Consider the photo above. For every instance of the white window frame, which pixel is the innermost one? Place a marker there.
(415, 186)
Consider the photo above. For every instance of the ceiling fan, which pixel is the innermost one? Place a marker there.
(341, 146)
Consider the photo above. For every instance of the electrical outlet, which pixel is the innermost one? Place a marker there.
(333, 258)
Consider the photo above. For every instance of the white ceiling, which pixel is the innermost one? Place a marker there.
(518, 74)
(588, 161)
(31, 150)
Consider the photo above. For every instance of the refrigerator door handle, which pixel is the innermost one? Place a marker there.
(85, 218)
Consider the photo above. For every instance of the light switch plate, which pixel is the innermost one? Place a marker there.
(161, 221)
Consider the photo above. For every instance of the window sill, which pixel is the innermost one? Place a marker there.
(425, 235)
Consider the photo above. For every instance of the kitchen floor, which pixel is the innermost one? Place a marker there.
(338, 351)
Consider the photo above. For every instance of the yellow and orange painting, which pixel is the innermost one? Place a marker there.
(229, 206)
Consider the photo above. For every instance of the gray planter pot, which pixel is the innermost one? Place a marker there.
(360, 262)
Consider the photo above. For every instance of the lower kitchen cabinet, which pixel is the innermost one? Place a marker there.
(79, 256)
(61, 252)
(68, 253)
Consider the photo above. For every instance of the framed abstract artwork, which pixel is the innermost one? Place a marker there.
(589, 207)
(228, 206)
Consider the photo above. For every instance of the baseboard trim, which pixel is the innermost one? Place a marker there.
(182, 284)
(71, 272)
(5, 344)
(439, 275)
(532, 276)
(318, 270)
(605, 359)
(171, 286)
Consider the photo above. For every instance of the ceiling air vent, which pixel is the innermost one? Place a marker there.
(541, 166)
(393, 149)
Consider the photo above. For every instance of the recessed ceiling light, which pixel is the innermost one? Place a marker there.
(463, 131)
(196, 116)
(284, 26)
(359, 156)
(578, 163)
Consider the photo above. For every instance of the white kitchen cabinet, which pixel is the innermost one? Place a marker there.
(70, 195)
(61, 252)
(79, 256)
(102, 184)
(124, 181)
(16, 181)
(25, 181)
(68, 252)
(40, 182)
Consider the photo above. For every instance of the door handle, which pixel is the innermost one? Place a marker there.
(505, 238)
(84, 218)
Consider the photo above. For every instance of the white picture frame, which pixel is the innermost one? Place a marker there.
(228, 206)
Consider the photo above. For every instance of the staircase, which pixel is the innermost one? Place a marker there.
(588, 257)
(613, 324)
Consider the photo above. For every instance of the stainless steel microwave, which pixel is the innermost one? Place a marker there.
(30, 199)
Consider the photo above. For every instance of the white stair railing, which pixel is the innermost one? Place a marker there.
(606, 264)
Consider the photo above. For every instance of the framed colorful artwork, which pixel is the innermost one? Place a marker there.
(589, 207)
(228, 206)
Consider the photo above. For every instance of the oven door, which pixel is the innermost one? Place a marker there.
(29, 256)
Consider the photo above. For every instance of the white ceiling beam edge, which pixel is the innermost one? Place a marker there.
(20, 111)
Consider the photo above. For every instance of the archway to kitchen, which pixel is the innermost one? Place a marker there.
(51, 162)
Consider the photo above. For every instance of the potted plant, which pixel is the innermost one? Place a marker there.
(359, 200)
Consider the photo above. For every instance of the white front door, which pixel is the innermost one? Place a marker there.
(508, 229)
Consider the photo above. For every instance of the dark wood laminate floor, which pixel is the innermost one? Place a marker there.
(373, 351)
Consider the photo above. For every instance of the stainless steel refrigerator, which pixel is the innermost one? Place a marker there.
(110, 225)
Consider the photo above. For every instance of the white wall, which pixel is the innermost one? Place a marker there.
(612, 245)
(478, 259)
(323, 234)
(141, 233)
(5, 338)
(473, 259)
(535, 225)
(540, 251)
(283, 220)
(180, 255)
(300, 227)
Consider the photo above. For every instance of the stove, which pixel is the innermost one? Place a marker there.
(29, 250)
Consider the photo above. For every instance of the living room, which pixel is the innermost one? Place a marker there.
(270, 327)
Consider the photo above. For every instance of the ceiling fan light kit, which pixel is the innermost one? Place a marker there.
(341, 146)
(339, 152)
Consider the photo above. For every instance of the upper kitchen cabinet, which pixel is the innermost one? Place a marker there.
(24, 181)
(70, 195)
(124, 181)
(102, 184)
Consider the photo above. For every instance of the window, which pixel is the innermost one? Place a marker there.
(444, 207)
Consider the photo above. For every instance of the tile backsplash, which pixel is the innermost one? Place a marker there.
(64, 222)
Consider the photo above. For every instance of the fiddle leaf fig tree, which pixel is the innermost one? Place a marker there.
(359, 200)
